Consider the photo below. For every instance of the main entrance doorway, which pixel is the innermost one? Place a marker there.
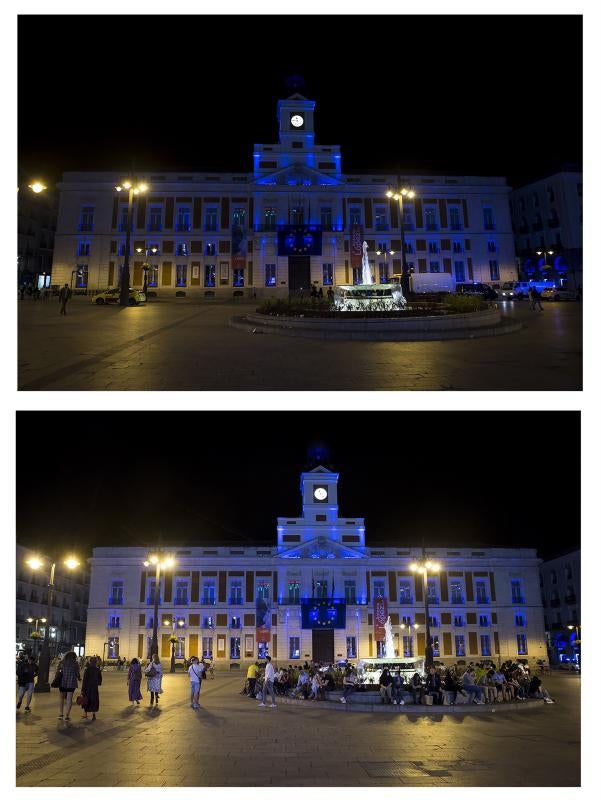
(323, 646)
(299, 274)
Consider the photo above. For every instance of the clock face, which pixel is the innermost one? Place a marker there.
(320, 493)
(297, 121)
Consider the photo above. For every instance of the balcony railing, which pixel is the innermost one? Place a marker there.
(458, 226)
(382, 227)
(432, 598)
(236, 601)
(405, 601)
(207, 601)
(150, 600)
(431, 226)
(408, 226)
(457, 600)
(489, 226)
(183, 226)
(154, 227)
(482, 599)
(180, 600)
(115, 601)
(517, 599)
(293, 601)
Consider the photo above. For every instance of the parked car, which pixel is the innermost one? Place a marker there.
(570, 666)
(507, 291)
(558, 293)
(114, 295)
(520, 288)
(481, 289)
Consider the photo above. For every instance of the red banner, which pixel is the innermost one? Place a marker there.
(380, 617)
(356, 245)
(263, 620)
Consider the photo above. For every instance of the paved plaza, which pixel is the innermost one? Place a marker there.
(189, 345)
(231, 741)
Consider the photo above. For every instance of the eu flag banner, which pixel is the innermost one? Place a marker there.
(299, 240)
(322, 613)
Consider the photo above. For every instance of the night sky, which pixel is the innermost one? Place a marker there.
(455, 479)
(491, 95)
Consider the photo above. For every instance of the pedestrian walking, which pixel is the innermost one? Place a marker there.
(68, 679)
(268, 683)
(534, 296)
(134, 679)
(320, 293)
(27, 671)
(154, 675)
(63, 298)
(196, 673)
(92, 679)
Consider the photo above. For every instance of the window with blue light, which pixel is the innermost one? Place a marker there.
(155, 218)
(239, 277)
(297, 215)
(432, 590)
(270, 216)
(121, 250)
(211, 219)
(208, 622)
(488, 219)
(321, 588)
(239, 217)
(383, 271)
(81, 276)
(83, 249)
(113, 647)
(455, 219)
(481, 591)
(270, 275)
(328, 274)
(263, 590)
(123, 218)
(407, 646)
(460, 645)
(357, 277)
(116, 598)
(483, 620)
(494, 269)
(434, 266)
(207, 647)
(522, 642)
(434, 621)
(293, 592)
(520, 620)
(210, 249)
(380, 649)
(516, 592)
(379, 588)
(208, 593)
(485, 644)
(294, 647)
(181, 249)
(86, 220)
(234, 647)
(354, 215)
(405, 594)
(114, 621)
(458, 620)
(408, 218)
(433, 247)
(350, 592)
(458, 247)
(326, 218)
(380, 218)
(435, 646)
(181, 592)
(459, 271)
(431, 218)
(491, 246)
(153, 275)
(351, 647)
(181, 274)
(406, 620)
(183, 222)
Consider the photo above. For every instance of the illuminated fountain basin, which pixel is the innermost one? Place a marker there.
(370, 297)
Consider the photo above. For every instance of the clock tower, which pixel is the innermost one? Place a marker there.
(295, 121)
(319, 490)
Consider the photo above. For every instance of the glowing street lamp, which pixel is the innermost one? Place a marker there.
(132, 189)
(37, 187)
(160, 561)
(423, 566)
(399, 196)
(44, 665)
(36, 635)
(545, 253)
(146, 266)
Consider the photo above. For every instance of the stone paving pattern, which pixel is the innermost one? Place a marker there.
(231, 741)
(190, 346)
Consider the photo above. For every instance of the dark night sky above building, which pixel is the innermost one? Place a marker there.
(441, 478)
(460, 94)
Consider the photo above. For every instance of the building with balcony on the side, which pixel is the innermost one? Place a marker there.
(560, 587)
(313, 595)
(288, 224)
(547, 223)
(67, 625)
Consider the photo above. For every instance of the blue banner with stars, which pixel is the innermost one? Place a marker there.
(322, 613)
(299, 240)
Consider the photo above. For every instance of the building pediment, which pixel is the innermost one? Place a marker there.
(321, 547)
(298, 175)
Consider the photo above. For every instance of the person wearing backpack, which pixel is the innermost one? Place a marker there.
(196, 673)
(154, 675)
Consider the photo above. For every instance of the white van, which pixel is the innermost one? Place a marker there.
(520, 288)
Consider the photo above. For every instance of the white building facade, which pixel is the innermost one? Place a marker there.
(315, 596)
(288, 224)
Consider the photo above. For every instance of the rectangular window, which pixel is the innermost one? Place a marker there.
(407, 646)
(351, 647)
(81, 276)
(494, 270)
(293, 592)
(208, 622)
(321, 588)
(209, 274)
(516, 592)
(457, 247)
(434, 266)
(155, 222)
(153, 275)
(239, 217)
(116, 598)
(236, 622)
(86, 222)
(405, 595)
(430, 218)
(294, 648)
(181, 272)
(483, 620)
(520, 620)
(380, 218)
(181, 249)
(211, 219)
(297, 215)
(432, 591)
(234, 647)
(354, 215)
(357, 276)
(270, 219)
(114, 621)
(208, 594)
(181, 593)
(460, 645)
(83, 249)
(350, 592)
(183, 219)
(328, 274)
(406, 620)
(263, 590)
(210, 249)
(408, 223)
(491, 246)
(236, 593)
(455, 221)
(522, 644)
(435, 646)
(380, 646)
(239, 277)
(481, 592)
(207, 647)
(262, 649)
(383, 270)
(459, 271)
(485, 644)
(270, 275)
(379, 588)
(456, 592)
(458, 620)
(326, 218)
(113, 647)
(179, 650)
(432, 247)
(151, 591)
(488, 219)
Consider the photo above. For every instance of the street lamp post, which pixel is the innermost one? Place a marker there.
(423, 566)
(43, 684)
(545, 253)
(577, 641)
(399, 195)
(174, 639)
(168, 561)
(146, 267)
(132, 190)
(403, 627)
(36, 634)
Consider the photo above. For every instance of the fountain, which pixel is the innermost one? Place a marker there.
(368, 296)
(389, 641)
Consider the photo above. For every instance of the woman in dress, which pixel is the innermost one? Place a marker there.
(134, 679)
(154, 675)
(92, 679)
(69, 678)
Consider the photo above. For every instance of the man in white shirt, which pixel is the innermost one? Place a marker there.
(268, 683)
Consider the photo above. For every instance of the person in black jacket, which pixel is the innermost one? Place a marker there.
(433, 686)
(386, 686)
(92, 679)
(27, 671)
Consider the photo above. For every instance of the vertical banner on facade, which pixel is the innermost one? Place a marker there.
(356, 245)
(263, 623)
(380, 617)
(239, 247)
